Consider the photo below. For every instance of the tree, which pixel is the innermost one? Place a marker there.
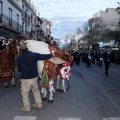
(78, 30)
(118, 8)
(116, 36)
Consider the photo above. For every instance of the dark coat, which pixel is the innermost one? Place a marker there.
(27, 62)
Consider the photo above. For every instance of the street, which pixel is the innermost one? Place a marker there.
(92, 96)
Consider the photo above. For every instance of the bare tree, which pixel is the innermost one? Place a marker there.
(78, 30)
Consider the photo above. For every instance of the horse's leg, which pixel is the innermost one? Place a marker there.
(51, 90)
(13, 80)
(6, 84)
(63, 88)
(44, 92)
(57, 83)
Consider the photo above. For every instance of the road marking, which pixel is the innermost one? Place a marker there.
(69, 119)
(97, 70)
(113, 118)
(24, 118)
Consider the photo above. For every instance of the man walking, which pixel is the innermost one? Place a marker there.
(27, 64)
(106, 58)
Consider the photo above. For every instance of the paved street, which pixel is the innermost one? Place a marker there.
(92, 96)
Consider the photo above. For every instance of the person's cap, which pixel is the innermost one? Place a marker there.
(23, 46)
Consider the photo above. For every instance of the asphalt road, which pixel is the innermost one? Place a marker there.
(92, 96)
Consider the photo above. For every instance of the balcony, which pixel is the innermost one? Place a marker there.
(8, 23)
(26, 16)
(25, 33)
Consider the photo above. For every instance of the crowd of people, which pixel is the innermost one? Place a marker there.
(101, 57)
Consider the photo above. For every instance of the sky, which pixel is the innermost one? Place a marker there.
(69, 15)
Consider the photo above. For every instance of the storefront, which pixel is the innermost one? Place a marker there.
(11, 35)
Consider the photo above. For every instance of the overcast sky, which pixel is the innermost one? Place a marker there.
(68, 15)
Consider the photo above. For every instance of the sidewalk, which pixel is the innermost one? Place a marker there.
(114, 65)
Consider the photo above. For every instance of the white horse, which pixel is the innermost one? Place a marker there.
(43, 48)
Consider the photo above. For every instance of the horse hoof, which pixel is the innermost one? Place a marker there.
(13, 85)
(44, 99)
(6, 86)
(61, 90)
(58, 89)
(50, 101)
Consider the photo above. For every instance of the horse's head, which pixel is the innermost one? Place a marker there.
(12, 47)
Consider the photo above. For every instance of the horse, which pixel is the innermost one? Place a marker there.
(7, 64)
(64, 73)
(46, 69)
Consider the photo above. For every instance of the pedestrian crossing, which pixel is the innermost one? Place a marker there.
(60, 118)
(25, 118)
(69, 119)
(113, 118)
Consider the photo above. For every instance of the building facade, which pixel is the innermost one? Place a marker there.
(10, 19)
(105, 21)
(29, 19)
(18, 19)
(46, 27)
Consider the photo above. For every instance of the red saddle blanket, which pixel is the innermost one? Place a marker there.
(62, 54)
(5, 71)
(49, 72)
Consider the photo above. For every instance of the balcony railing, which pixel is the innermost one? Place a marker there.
(25, 15)
(10, 23)
(25, 33)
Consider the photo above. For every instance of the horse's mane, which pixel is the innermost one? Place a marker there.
(12, 47)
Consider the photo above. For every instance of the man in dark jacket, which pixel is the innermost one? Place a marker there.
(4, 43)
(107, 60)
(27, 64)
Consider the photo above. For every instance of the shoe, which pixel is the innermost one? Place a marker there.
(36, 106)
(24, 109)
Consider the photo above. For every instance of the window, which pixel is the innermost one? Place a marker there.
(10, 17)
(17, 21)
(0, 7)
(17, 18)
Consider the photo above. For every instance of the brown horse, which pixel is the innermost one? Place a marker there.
(7, 63)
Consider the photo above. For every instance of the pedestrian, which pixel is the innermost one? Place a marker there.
(107, 60)
(27, 65)
(88, 59)
(100, 55)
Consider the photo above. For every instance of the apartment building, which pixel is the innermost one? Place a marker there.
(105, 21)
(108, 18)
(101, 23)
(10, 19)
(18, 18)
(46, 27)
(29, 19)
